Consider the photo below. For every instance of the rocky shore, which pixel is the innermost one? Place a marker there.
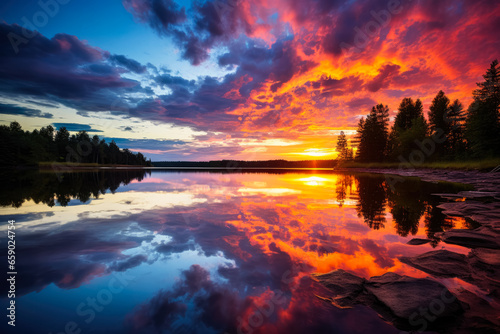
(424, 304)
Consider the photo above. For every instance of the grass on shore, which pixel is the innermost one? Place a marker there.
(50, 165)
(486, 164)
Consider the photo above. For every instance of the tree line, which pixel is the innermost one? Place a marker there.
(235, 165)
(450, 132)
(27, 148)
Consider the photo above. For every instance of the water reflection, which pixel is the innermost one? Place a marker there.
(50, 188)
(211, 253)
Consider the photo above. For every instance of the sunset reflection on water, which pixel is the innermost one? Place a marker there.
(214, 252)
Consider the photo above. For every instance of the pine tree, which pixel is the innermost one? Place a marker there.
(373, 135)
(342, 148)
(409, 126)
(439, 121)
(483, 125)
(357, 138)
(407, 112)
(456, 137)
(61, 142)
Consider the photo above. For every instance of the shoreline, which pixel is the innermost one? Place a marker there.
(481, 204)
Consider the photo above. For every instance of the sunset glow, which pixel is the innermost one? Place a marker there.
(260, 79)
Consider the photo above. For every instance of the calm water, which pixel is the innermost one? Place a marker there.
(115, 252)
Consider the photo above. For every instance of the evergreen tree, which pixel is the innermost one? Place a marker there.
(408, 111)
(373, 134)
(357, 138)
(19, 147)
(456, 137)
(61, 142)
(439, 121)
(409, 126)
(342, 148)
(482, 124)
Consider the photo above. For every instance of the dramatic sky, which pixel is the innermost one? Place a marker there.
(252, 79)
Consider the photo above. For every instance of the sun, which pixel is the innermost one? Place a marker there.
(316, 152)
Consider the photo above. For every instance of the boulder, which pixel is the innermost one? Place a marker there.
(397, 299)
(479, 238)
(417, 241)
(404, 295)
(440, 263)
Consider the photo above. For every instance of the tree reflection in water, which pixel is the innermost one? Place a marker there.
(50, 188)
(407, 202)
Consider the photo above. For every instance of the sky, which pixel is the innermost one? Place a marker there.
(233, 79)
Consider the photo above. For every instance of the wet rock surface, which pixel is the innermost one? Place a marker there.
(481, 267)
(399, 299)
(406, 302)
(417, 241)
(482, 237)
(440, 263)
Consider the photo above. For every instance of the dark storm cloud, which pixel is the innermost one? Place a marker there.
(384, 77)
(160, 14)
(337, 87)
(12, 109)
(130, 64)
(75, 127)
(361, 103)
(68, 71)
(169, 80)
(210, 22)
(62, 69)
(146, 144)
(348, 19)
(43, 104)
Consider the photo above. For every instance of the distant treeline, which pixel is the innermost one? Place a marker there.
(19, 147)
(237, 164)
(450, 132)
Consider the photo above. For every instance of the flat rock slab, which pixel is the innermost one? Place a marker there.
(417, 242)
(440, 263)
(480, 267)
(396, 298)
(404, 295)
(487, 256)
(341, 283)
(479, 238)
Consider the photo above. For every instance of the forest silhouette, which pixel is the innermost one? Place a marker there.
(450, 133)
(25, 148)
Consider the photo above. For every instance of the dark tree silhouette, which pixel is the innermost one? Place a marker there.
(409, 126)
(483, 124)
(439, 121)
(409, 111)
(20, 147)
(456, 136)
(373, 135)
(342, 147)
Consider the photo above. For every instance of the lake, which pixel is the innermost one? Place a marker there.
(210, 252)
